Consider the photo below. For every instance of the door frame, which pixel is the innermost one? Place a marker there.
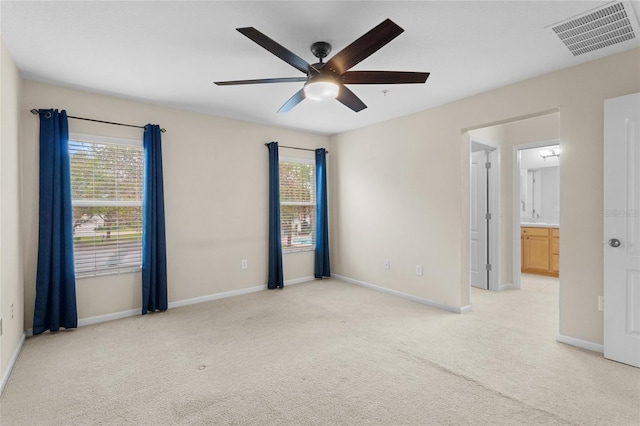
(515, 181)
(493, 204)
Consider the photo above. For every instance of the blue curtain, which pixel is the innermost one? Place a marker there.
(55, 277)
(276, 277)
(322, 266)
(154, 250)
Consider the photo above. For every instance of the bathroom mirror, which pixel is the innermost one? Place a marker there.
(540, 195)
(540, 185)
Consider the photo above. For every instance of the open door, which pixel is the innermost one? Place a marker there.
(484, 223)
(479, 203)
(622, 229)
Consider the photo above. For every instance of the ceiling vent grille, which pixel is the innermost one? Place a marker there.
(595, 30)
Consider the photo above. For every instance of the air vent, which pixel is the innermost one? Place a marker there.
(612, 24)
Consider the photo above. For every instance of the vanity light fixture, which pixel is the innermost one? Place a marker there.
(546, 153)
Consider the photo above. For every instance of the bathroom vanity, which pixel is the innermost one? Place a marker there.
(540, 248)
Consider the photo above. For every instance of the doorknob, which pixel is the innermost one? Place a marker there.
(614, 242)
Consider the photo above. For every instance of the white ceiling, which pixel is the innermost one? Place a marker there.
(170, 52)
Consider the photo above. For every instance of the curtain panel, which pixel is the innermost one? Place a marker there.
(154, 248)
(322, 266)
(276, 275)
(55, 304)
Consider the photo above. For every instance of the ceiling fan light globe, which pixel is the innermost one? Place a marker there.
(320, 90)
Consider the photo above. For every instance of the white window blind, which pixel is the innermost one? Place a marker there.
(297, 204)
(106, 196)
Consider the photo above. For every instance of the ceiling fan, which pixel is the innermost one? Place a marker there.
(327, 80)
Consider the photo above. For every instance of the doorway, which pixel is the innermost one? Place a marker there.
(499, 140)
(484, 195)
(536, 210)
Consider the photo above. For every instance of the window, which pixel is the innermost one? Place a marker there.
(297, 204)
(106, 197)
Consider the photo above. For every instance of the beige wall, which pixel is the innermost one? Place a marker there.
(505, 136)
(399, 192)
(216, 189)
(11, 276)
(402, 189)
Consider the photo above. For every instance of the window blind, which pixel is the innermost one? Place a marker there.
(106, 188)
(297, 204)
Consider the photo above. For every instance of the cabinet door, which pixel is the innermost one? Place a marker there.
(555, 254)
(536, 253)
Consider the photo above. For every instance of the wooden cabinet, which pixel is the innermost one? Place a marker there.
(555, 250)
(536, 253)
(540, 248)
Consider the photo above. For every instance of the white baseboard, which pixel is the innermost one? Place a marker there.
(12, 362)
(232, 293)
(133, 312)
(215, 296)
(108, 317)
(506, 286)
(411, 297)
(100, 318)
(584, 344)
(299, 280)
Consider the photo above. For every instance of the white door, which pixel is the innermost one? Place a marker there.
(478, 195)
(622, 229)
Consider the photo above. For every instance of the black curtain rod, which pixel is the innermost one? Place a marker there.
(36, 112)
(295, 147)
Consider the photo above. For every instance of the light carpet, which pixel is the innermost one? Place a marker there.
(323, 353)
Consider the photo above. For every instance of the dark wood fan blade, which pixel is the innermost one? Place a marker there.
(364, 46)
(293, 101)
(384, 77)
(261, 81)
(349, 99)
(278, 50)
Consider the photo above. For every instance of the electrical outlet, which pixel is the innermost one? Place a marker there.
(419, 270)
(244, 264)
(0, 326)
(601, 303)
(387, 264)
(12, 311)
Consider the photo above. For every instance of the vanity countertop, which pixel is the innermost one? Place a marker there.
(539, 225)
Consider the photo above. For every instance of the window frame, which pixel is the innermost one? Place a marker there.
(306, 161)
(108, 140)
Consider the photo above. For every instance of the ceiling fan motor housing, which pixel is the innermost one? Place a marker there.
(320, 49)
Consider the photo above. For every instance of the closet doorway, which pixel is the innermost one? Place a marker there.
(484, 193)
